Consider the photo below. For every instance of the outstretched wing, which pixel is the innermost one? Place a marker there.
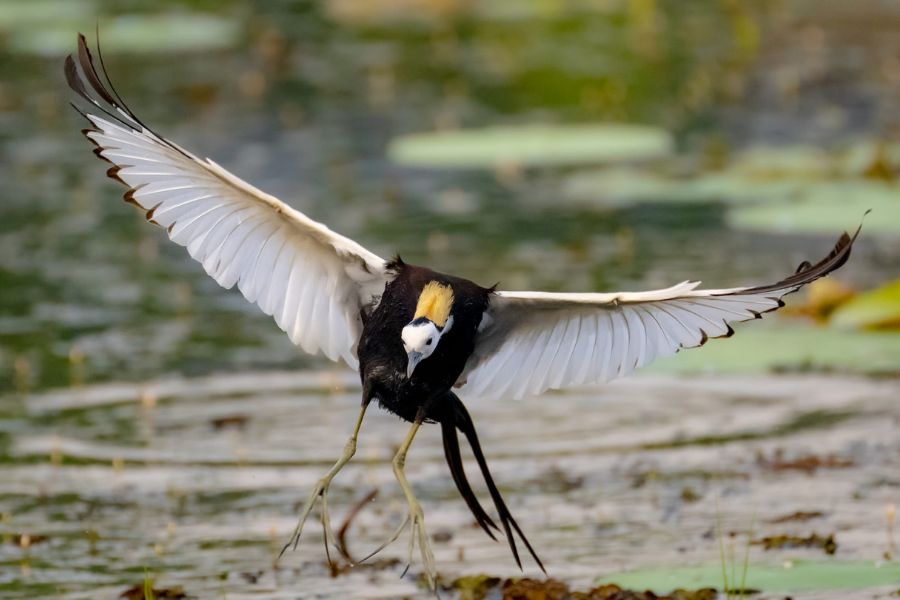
(534, 341)
(313, 281)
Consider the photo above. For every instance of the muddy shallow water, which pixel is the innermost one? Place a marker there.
(196, 481)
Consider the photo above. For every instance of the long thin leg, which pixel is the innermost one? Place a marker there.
(321, 491)
(415, 514)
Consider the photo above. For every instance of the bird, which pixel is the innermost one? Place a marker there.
(419, 338)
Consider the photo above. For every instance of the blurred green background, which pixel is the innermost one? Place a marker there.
(543, 144)
(759, 131)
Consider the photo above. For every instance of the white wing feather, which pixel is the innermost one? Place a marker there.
(535, 341)
(313, 281)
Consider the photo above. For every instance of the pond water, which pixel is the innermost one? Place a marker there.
(117, 440)
(196, 482)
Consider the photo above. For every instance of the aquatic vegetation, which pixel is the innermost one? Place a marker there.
(481, 587)
(809, 463)
(146, 34)
(821, 207)
(787, 348)
(781, 542)
(792, 576)
(798, 516)
(531, 146)
(873, 309)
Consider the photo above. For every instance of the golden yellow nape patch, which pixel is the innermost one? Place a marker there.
(435, 302)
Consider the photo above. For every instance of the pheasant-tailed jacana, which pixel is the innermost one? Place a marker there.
(415, 334)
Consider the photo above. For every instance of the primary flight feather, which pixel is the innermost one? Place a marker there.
(413, 333)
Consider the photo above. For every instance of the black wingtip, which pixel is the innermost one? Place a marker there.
(87, 81)
(86, 61)
(808, 272)
(76, 82)
(73, 79)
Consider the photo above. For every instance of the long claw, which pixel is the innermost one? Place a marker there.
(390, 541)
(412, 547)
(424, 548)
(328, 531)
(325, 535)
(307, 509)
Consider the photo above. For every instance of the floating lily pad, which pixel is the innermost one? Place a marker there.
(387, 13)
(19, 14)
(156, 34)
(531, 146)
(781, 162)
(790, 188)
(793, 576)
(758, 349)
(876, 309)
(619, 187)
(519, 10)
(826, 208)
(616, 187)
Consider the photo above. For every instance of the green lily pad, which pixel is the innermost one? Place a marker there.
(791, 577)
(618, 187)
(826, 208)
(531, 146)
(758, 175)
(756, 348)
(28, 14)
(145, 34)
(781, 162)
(795, 188)
(518, 10)
(874, 309)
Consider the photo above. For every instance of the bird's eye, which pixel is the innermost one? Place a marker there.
(428, 342)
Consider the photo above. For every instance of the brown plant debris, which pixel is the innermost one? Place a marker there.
(800, 516)
(781, 542)
(137, 592)
(229, 422)
(348, 520)
(809, 464)
(535, 589)
(26, 540)
(479, 587)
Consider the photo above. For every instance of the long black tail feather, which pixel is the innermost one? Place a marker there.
(456, 411)
(454, 461)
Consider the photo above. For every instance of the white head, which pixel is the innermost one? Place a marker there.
(431, 321)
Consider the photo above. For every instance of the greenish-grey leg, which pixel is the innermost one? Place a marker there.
(415, 514)
(321, 491)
